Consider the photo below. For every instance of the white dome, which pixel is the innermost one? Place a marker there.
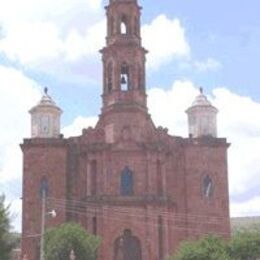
(46, 102)
(201, 100)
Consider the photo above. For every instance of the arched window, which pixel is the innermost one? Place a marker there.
(207, 187)
(124, 77)
(127, 182)
(44, 187)
(123, 25)
(127, 247)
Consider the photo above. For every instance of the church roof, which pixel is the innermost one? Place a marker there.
(201, 100)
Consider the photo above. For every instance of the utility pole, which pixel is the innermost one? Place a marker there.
(43, 191)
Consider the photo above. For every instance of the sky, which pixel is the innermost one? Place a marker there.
(213, 44)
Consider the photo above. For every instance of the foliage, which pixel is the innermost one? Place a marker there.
(15, 240)
(208, 248)
(245, 245)
(61, 240)
(5, 246)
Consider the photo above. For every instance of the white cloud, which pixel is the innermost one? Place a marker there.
(38, 32)
(44, 32)
(247, 208)
(29, 43)
(167, 107)
(79, 123)
(165, 39)
(209, 64)
(18, 94)
(76, 45)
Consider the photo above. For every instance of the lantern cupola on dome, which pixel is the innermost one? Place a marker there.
(45, 118)
(202, 117)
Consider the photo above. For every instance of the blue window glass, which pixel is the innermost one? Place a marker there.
(127, 182)
(44, 187)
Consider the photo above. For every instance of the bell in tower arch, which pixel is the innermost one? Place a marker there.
(123, 80)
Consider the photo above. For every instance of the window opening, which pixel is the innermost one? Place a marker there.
(123, 25)
(207, 187)
(127, 182)
(124, 78)
(44, 187)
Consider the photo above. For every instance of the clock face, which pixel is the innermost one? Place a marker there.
(45, 124)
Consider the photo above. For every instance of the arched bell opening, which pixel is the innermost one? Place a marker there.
(127, 247)
(124, 78)
(123, 25)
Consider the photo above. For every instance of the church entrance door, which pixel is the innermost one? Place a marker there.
(127, 247)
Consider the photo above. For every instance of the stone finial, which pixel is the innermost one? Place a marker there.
(46, 91)
(201, 90)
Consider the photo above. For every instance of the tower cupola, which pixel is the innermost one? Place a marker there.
(202, 117)
(45, 118)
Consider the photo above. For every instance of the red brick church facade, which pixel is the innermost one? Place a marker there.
(140, 189)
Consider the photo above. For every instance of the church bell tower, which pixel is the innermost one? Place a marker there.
(123, 57)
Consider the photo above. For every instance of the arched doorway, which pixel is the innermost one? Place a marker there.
(127, 247)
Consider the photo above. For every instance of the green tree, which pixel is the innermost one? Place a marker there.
(207, 248)
(61, 240)
(245, 245)
(5, 246)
